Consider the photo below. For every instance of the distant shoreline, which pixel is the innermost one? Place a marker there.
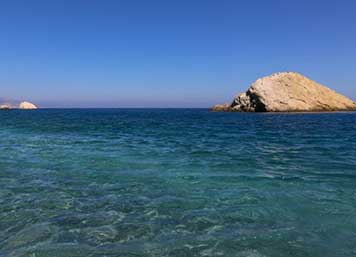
(174, 108)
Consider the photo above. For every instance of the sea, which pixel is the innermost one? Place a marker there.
(177, 183)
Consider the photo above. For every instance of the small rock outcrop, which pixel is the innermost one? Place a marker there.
(288, 92)
(222, 107)
(27, 106)
(5, 107)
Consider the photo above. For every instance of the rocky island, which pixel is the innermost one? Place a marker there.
(288, 92)
(27, 106)
(23, 105)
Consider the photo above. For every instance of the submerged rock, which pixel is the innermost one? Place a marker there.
(288, 92)
(27, 106)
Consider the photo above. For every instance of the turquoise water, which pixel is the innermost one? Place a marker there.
(177, 183)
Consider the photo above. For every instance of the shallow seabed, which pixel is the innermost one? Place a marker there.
(177, 183)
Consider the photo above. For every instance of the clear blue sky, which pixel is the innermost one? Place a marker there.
(161, 53)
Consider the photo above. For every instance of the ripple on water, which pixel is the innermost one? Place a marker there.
(30, 236)
(99, 235)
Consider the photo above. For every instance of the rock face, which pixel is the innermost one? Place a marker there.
(288, 92)
(27, 106)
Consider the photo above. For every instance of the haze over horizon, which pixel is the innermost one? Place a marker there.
(169, 54)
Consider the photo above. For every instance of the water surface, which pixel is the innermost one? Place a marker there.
(186, 182)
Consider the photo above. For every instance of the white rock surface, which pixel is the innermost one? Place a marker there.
(27, 106)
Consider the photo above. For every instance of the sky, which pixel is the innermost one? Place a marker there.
(161, 53)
